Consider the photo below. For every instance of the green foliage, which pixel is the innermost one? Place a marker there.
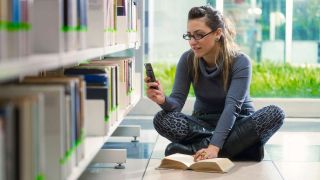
(284, 80)
(165, 73)
(268, 80)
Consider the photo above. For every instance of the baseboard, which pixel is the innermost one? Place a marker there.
(293, 107)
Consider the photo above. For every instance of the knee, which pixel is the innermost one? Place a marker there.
(159, 116)
(160, 120)
(277, 113)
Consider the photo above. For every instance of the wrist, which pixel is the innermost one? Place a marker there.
(214, 148)
(162, 100)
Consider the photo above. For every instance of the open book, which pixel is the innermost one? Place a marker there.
(186, 162)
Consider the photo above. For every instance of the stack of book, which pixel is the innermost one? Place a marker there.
(56, 125)
(109, 80)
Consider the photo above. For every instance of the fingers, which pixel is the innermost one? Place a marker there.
(152, 85)
(146, 79)
(153, 92)
(200, 155)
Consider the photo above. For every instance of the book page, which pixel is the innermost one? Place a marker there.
(183, 158)
(220, 165)
(177, 161)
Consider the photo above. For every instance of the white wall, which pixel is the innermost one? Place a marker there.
(273, 51)
(169, 22)
(303, 52)
(293, 107)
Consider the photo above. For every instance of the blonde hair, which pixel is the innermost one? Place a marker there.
(228, 48)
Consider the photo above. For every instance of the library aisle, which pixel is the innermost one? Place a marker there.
(284, 159)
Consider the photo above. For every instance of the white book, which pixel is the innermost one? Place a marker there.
(2, 150)
(134, 22)
(3, 30)
(31, 137)
(111, 22)
(95, 117)
(3, 46)
(122, 35)
(97, 23)
(25, 32)
(47, 28)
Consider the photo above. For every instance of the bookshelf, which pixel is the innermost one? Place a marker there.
(94, 143)
(76, 31)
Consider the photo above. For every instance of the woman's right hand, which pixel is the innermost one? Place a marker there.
(154, 91)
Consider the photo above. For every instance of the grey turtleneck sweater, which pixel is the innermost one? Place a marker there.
(210, 94)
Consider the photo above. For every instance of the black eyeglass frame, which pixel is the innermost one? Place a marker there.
(188, 36)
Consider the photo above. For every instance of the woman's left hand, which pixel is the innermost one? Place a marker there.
(207, 153)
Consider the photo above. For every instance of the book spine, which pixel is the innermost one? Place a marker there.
(43, 25)
(97, 27)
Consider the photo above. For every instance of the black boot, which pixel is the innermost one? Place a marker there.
(190, 149)
(254, 153)
(173, 148)
(243, 137)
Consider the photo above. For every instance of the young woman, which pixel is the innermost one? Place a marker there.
(224, 122)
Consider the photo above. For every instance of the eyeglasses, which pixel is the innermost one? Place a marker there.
(197, 37)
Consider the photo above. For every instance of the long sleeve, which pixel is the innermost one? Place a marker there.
(237, 92)
(181, 86)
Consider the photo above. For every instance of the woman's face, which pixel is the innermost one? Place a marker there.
(206, 42)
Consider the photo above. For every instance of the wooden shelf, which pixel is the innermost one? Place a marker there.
(13, 68)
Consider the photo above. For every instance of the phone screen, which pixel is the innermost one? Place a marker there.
(149, 72)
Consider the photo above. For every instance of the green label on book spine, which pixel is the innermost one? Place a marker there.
(40, 177)
(69, 28)
(3, 25)
(106, 118)
(69, 152)
(82, 28)
(13, 27)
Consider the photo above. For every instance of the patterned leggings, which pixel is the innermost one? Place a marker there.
(175, 125)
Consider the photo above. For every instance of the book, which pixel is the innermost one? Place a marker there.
(28, 127)
(186, 162)
(53, 131)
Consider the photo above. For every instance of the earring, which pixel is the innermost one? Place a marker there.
(217, 39)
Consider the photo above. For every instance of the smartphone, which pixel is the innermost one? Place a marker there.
(150, 73)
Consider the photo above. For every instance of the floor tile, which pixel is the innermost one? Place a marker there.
(264, 170)
(302, 119)
(144, 123)
(294, 153)
(146, 136)
(301, 126)
(139, 117)
(160, 146)
(294, 138)
(134, 150)
(134, 171)
(299, 170)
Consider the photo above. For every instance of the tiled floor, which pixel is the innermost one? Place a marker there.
(293, 153)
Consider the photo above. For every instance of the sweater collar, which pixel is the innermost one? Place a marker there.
(210, 72)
